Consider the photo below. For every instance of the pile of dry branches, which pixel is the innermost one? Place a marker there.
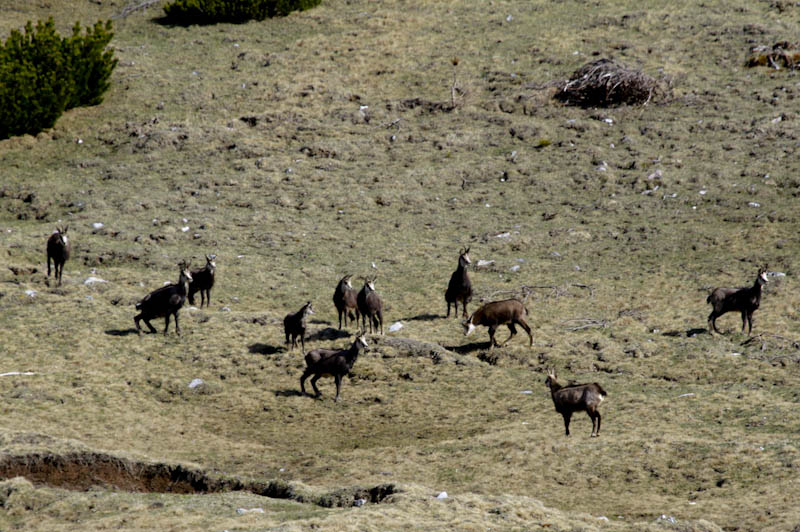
(604, 83)
(782, 53)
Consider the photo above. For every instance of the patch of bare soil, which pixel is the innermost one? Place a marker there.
(86, 470)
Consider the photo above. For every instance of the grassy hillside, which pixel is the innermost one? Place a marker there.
(304, 148)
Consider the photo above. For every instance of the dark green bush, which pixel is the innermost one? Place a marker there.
(186, 12)
(43, 74)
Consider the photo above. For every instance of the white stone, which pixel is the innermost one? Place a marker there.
(195, 383)
(97, 225)
(93, 280)
(396, 326)
(442, 495)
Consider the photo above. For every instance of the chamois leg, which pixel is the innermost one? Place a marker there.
(379, 319)
(595, 416)
(166, 324)
(48, 265)
(448, 307)
(492, 342)
(288, 342)
(338, 379)
(712, 323)
(339, 311)
(525, 326)
(463, 310)
(510, 336)
(208, 298)
(303, 343)
(750, 323)
(306, 373)
(314, 380)
(567, 416)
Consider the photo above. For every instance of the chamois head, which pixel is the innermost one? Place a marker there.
(762, 275)
(185, 272)
(551, 378)
(308, 309)
(210, 260)
(463, 258)
(346, 280)
(370, 283)
(468, 326)
(361, 339)
(62, 235)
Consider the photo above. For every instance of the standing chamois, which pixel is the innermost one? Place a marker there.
(346, 300)
(294, 325)
(164, 301)
(203, 281)
(745, 300)
(58, 250)
(460, 287)
(509, 312)
(331, 363)
(575, 398)
(370, 306)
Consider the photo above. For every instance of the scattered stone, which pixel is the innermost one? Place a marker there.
(527, 392)
(93, 280)
(442, 495)
(686, 395)
(98, 225)
(515, 268)
(195, 383)
(242, 511)
(14, 373)
(396, 326)
(359, 502)
(30, 293)
(754, 204)
(482, 263)
(225, 309)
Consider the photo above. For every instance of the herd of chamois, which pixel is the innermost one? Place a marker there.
(367, 306)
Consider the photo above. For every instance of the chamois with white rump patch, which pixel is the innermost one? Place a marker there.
(165, 301)
(346, 300)
(294, 325)
(58, 249)
(460, 286)
(576, 398)
(203, 281)
(510, 312)
(745, 300)
(370, 306)
(331, 363)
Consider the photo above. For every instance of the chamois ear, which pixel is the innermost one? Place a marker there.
(64, 231)
(466, 251)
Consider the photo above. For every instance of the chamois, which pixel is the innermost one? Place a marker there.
(460, 287)
(745, 300)
(370, 305)
(509, 312)
(331, 363)
(165, 301)
(575, 398)
(203, 281)
(58, 249)
(294, 325)
(346, 300)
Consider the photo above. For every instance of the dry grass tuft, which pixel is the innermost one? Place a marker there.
(605, 83)
(781, 54)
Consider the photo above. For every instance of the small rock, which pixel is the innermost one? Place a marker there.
(359, 502)
(776, 274)
(225, 309)
(396, 326)
(98, 225)
(30, 293)
(93, 280)
(526, 392)
(242, 511)
(503, 235)
(754, 204)
(195, 383)
(482, 263)
(555, 254)
(442, 495)
(515, 268)
(185, 229)
(686, 395)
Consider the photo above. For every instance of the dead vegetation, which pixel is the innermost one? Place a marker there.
(606, 83)
(783, 54)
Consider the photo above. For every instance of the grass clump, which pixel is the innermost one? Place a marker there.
(42, 74)
(605, 83)
(188, 12)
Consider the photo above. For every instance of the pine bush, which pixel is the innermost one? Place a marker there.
(186, 12)
(43, 74)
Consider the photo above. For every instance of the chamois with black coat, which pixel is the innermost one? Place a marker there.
(510, 312)
(165, 301)
(370, 306)
(745, 300)
(331, 363)
(460, 286)
(58, 249)
(576, 398)
(345, 298)
(294, 325)
(203, 281)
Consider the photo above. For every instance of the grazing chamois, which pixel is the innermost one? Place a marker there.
(370, 306)
(745, 300)
(294, 325)
(165, 301)
(331, 363)
(575, 398)
(203, 281)
(346, 300)
(58, 250)
(460, 287)
(509, 312)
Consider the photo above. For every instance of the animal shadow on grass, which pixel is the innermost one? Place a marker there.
(689, 334)
(263, 349)
(468, 348)
(288, 393)
(424, 317)
(121, 332)
(328, 333)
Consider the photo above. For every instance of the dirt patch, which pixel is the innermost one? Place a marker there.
(86, 470)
